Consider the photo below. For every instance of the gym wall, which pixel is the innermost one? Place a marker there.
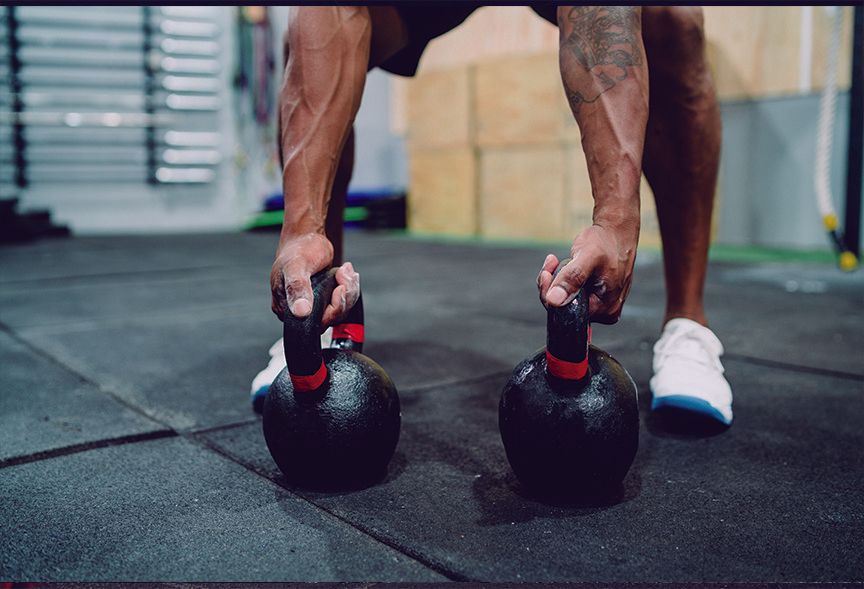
(120, 118)
(494, 150)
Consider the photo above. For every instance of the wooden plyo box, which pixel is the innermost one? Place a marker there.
(495, 152)
(440, 109)
(522, 192)
(443, 194)
(520, 100)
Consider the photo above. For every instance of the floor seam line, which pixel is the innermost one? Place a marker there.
(454, 382)
(407, 552)
(84, 378)
(219, 428)
(87, 446)
(794, 367)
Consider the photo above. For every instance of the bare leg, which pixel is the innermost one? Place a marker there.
(682, 151)
(334, 224)
(388, 36)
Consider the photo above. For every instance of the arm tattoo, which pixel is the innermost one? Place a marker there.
(603, 40)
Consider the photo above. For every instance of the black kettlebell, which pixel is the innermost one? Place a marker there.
(331, 417)
(568, 416)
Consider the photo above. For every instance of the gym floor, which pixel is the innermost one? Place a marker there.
(129, 451)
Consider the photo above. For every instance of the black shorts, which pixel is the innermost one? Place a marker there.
(425, 22)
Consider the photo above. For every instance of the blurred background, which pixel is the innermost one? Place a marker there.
(117, 120)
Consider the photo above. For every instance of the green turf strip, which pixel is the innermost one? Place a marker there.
(356, 214)
(265, 219)
(274, 218)
(734, 253)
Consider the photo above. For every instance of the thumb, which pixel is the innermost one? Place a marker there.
(298, 293)
(566, 284)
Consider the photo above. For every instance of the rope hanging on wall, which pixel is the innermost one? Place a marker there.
(824, 138)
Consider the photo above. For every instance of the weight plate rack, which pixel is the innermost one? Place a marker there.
(117, 94)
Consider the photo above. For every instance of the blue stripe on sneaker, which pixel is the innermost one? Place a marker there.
(258, 398)
(261, 392)
(687, 403)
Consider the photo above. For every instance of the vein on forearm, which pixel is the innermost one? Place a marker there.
(320, 96)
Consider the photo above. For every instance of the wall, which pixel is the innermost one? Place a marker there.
(248, 170)
(766, 189)
(494, 151)
(380, 156)
(100, 206)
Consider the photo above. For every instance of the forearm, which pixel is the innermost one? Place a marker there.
(324, 77)
(605, 76)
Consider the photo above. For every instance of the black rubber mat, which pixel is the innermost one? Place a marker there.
(774, 498)
(110, 342)
(168, 510)
(45, 407)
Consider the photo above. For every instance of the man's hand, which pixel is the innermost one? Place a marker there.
(291, 288)
(602, 260)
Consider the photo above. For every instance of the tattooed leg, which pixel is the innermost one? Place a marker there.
(682, 151)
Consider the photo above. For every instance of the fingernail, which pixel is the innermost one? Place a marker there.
(556, 295)
(301, 308)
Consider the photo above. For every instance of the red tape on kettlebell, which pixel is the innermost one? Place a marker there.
(310, 382)
(353, 331)
(566, 370)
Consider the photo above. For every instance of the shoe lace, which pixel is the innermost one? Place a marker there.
(687, 345)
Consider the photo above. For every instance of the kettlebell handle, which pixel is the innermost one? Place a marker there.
(568, 332)
(350, 333)
(302, 337)
(323, 283)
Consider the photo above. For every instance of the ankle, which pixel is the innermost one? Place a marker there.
(697, 315)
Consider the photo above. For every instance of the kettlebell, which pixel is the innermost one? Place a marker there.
(331, 417)
(568, 416)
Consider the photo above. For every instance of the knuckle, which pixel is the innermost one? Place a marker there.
(294, 284)
(574, 277)
(612, 319)
(606, 317)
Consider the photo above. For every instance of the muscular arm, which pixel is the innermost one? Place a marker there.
(327, 52)
(320, 95)
(605, 77)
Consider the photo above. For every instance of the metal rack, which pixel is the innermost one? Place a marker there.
(109, 94)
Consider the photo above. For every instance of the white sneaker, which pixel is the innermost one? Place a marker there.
(688, 374)
(262, 381)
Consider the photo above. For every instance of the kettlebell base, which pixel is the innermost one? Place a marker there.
(573, 496)
(332, 484)
(564, 490)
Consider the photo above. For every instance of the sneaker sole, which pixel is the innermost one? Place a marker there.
(258, 398)
(690, 405)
